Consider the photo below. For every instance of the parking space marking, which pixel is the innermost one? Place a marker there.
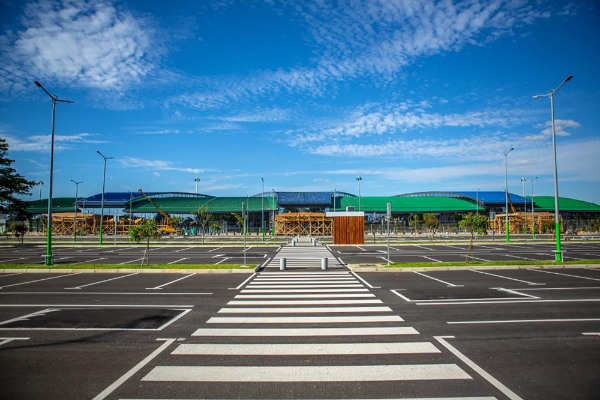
(507, 302)
(39, 280)
(395, 291)
(100, 305)
(497, 384)
(18, 273)
(222, 261)
(215, 249)
(184, 249)
(524, 321)
(168, 283)
(439, 280)
(429, 258)
(563, 288)
(106, 280)
(88, 261)
(583, 333)
(127, 262)
(4, 340)
(176, 261)
(109, 293)
(504, 277)
(13, 259)
(28, 316)
(569, 275)
(522, 258)
(365, 282)
(515, 292)
(423, 247)
(106, 392)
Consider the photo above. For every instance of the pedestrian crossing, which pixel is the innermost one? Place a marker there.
(299, 335)
(304, 254)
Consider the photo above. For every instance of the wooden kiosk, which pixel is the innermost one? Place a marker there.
(348, 227)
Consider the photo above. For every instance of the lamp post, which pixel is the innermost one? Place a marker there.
(262, 209)
(130, 200)
(334, 198)
(506, 192)
(48, 258)
(558, 252)
(358, 179)
(274, 206)
(41, 183)
(75, 218)
(532, 210)
(477, 199)
(103, 188)
(523, 180)
(196, 180)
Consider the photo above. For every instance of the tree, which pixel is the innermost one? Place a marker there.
(413, 222)
(12, 184)
(431, 225)
(203, 218)
(474, 223)
(19, 230)
(147, 230)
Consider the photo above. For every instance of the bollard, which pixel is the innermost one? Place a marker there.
(323, 263)
(314, 242)
(293, 243)
(282, 264)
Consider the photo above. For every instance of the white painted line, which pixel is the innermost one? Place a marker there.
(563, 288)
(218, 255)
(4, 340)
(429, 258)
(183, 312)
(521, 258)
(439, 280)
(524, 321)
(380, 331)
(39, 280)
(303, 320)
(509, 302)
(243, 283)
(360, 373)
(303, 275)
(365, 282)
(115, 385)
(455, 247)
(19, 273)
(281, 279)
(361, 248)
(13, 259)
(89, 261)
(303, 290)
(223, 260)
(176, 261)
(301, 282)
(168, 283)
(395, 291)
(304, 296)
(254, 286)
(184, 249)
(504, 277)
(305, 349)
(303, 310)
(516, 292)
(215, 249)
(109, 293)
(583, 333)
(99, 305)
(385, 259)
(477, 258)
(128, 262)
(28, 316)
(423, 247)
(505, 390)
(569, 275)
(299, 302)
(106, 280)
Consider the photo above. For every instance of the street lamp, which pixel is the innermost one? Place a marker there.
(103, 188)
(506, 192)
(477, 199)
(196, 180)
(75, 218)
(334, 198)
(130, 217)
(558, 253)
(532, 210)
(41, 183)
(523, 180)
(358, 179)
(262, 209)
(274, 206)
(48, 258)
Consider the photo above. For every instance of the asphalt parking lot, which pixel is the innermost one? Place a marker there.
(530, 334)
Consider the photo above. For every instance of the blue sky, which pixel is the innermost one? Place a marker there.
(411, 95)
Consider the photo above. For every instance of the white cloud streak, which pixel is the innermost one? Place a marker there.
(156, 165)
(41, 143)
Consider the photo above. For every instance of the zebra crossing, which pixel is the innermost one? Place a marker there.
(304, 254)
(304, 335)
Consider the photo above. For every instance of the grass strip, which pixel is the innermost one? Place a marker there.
(127, 266)
(485, 263)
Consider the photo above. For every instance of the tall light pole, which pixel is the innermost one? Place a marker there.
(41, 183)
(262, 209)
(523, 180)
(130, 216)
(334, 198)
(48, 258)
(532, 210)
(506, 192)
(196, 180)
(558, 252)
(103, 188)
(477, 199)
(274, 206)
(358, 179)
(75, 218)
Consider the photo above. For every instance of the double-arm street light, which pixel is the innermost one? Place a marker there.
(103, 188)
(75, 217)
(506, 193)
(558, 252)
(48, 258)
(532, 210)
(358, 179)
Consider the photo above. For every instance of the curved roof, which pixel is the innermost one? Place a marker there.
(59, 204)
(412, 204)
(187, 205)
(546, 203)
(119, 199)
(307, 199)
(484, 197)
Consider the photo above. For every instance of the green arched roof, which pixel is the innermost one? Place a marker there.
(59, 204)
(425, 204)
(565, 204)
(187, 205)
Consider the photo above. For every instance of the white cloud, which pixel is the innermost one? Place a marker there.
(90, 43)
(157, 165)
(41, 143)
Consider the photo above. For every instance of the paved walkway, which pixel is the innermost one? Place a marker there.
(302, 254)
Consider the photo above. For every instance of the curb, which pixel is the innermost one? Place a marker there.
(380, 268)
(125, 271)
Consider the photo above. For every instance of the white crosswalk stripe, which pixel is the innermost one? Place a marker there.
(306, 315)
